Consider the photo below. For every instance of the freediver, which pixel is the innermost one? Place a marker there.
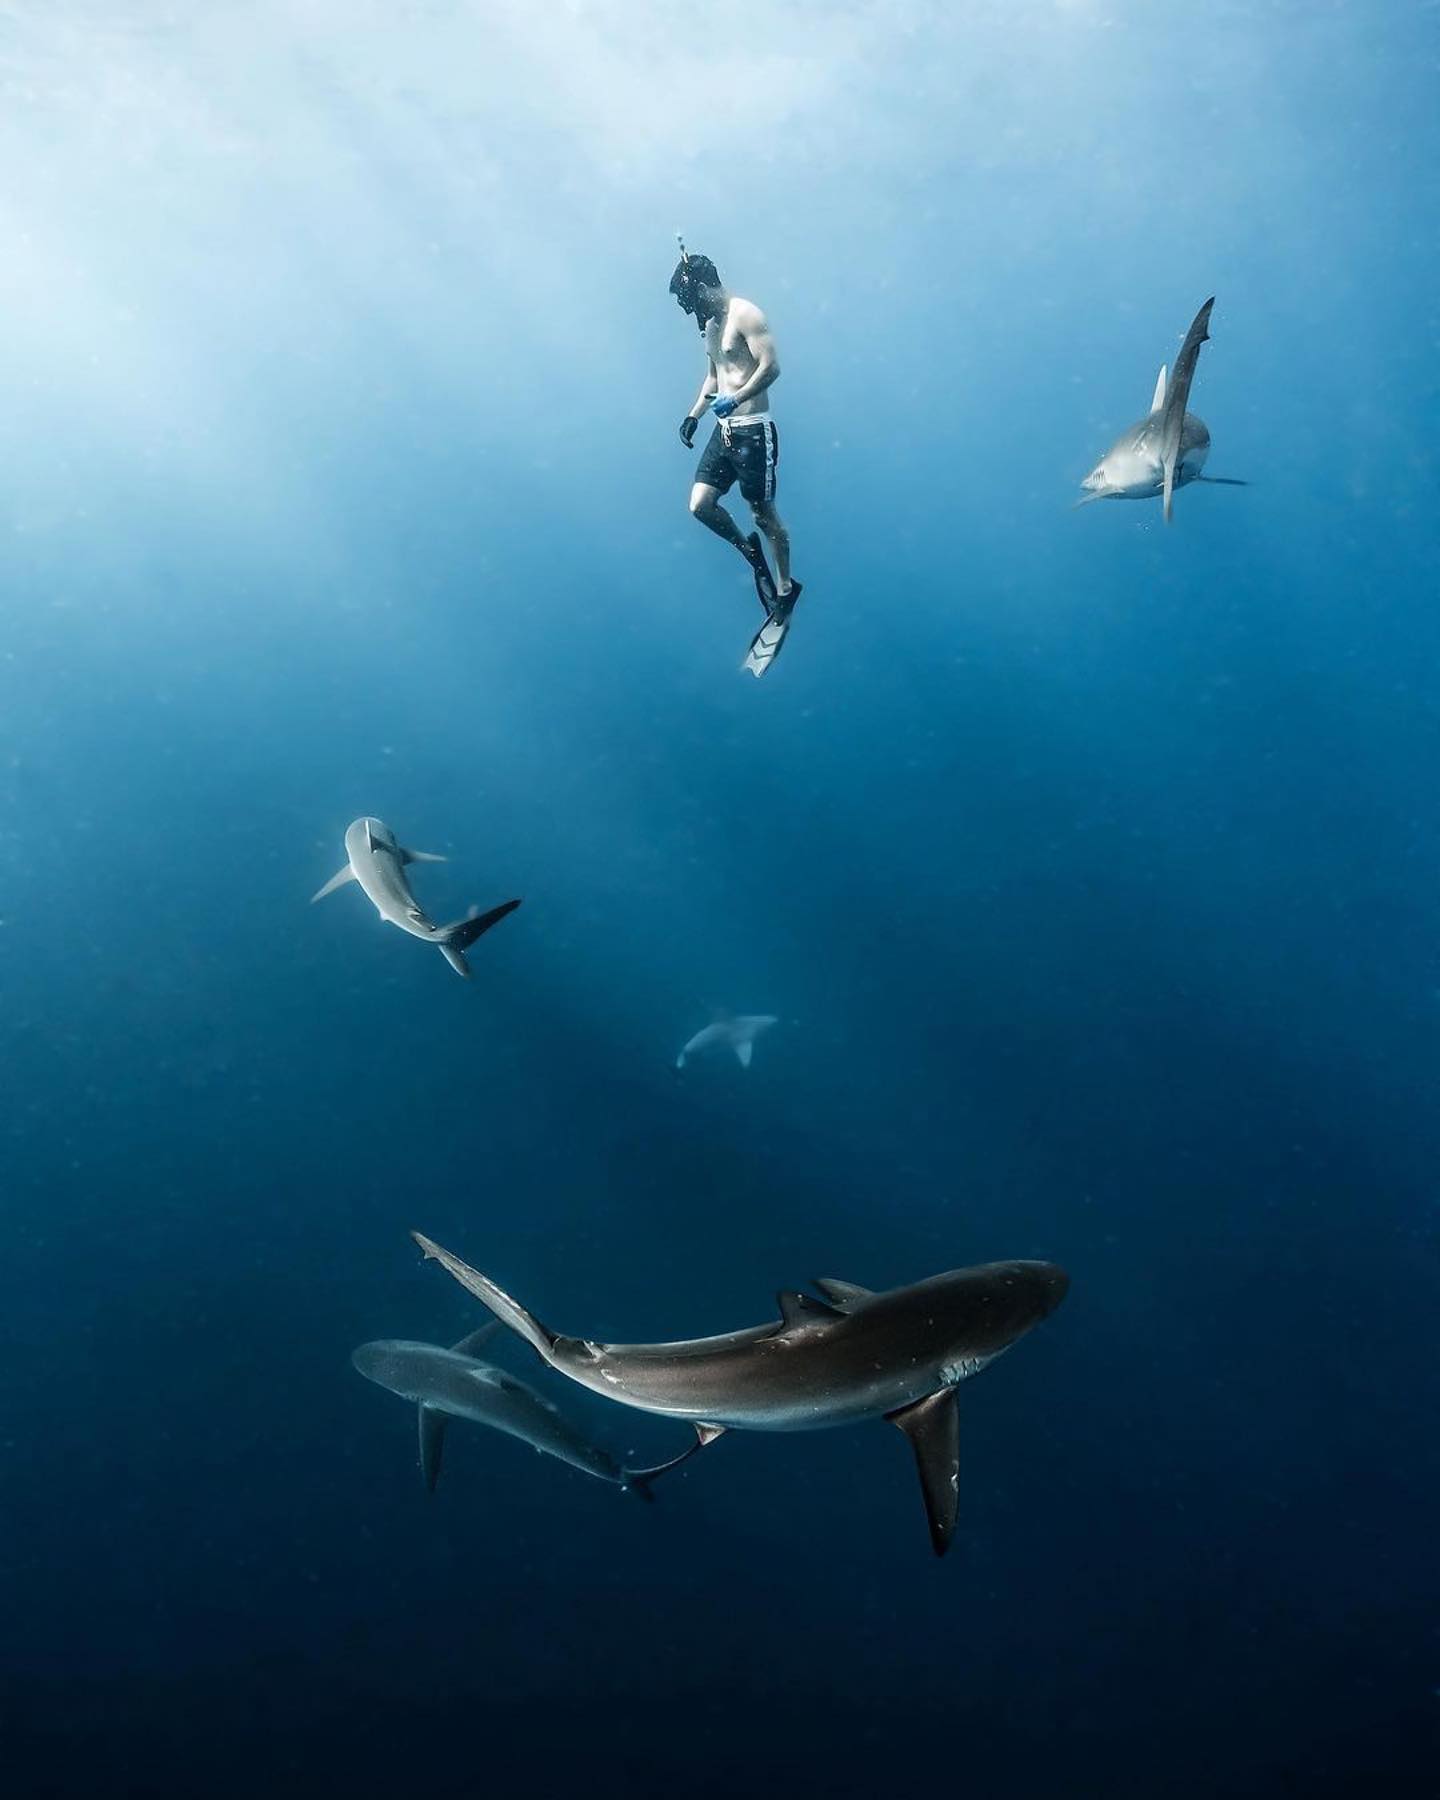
(742, 365)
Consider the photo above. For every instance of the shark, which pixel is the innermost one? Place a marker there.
(1167, 448)
(456, 1384)
(839, 1356)
(375, 859)
(737, 1034)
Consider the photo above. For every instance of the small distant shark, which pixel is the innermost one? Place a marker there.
(738, 1035)
(454, 1384)
(849, 1356)
(1167, 448)
(378, 863)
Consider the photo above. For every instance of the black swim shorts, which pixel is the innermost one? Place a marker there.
(749, 458)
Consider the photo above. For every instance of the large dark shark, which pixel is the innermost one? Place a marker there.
(456, 1384)
(375, 858)
(1167, 448)
(837, 1360)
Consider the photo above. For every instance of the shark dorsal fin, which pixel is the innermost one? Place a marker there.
(843, 1294)
(804, 1309)
(1159, 399)
(469, 1345)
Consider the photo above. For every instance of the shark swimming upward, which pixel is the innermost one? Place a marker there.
(737, 1034)
(1167, 448)
(847, 1356)
(378, 863)
(455, 1384)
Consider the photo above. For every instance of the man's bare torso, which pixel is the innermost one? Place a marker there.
(727, 346)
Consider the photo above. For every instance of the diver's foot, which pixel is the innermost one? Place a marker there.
(784, 603)
(764, 581)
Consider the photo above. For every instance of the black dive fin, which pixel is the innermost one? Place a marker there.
(933, 1428)
(844, 1294)
(469, 1345)
(432, 1443)
(1222, 481)
(804, 1309)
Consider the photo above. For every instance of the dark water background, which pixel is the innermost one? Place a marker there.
(1092, 868)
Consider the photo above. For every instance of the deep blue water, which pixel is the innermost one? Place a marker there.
(1091, 867)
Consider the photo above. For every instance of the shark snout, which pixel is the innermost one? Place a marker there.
(1051, 1284)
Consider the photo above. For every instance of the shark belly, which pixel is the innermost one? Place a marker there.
(777, 1384)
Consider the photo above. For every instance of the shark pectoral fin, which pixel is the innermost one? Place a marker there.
(1159, 399)
(469, 1345)
(1169, 489)
(409, 856)
(432, 1444)
(745, 1051)
(803, 1309)
(844, 1294)
(933, 1428)
(335, 881)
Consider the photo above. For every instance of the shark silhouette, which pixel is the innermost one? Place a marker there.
(847, 1356)
(1167, 448)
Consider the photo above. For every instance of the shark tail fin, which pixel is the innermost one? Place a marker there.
(508, 1311)
(1169, 490)
(637, 1481)
(462, 934)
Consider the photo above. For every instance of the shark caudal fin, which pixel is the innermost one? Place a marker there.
(508, 1311)
(637, 1481)
(462, 934)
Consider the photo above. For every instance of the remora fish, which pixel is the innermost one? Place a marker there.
(738, 1035)
(454, 1384)
(1167, 448)
(378, 863)
(850, 1356)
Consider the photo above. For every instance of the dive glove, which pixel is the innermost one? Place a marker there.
(687, 431)
(723, 405)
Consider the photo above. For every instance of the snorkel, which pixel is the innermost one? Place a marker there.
(692, 273)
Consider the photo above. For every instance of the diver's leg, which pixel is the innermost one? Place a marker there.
(778, 539)
(705, 504)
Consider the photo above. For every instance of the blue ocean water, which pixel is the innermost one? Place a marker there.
(1090, 866)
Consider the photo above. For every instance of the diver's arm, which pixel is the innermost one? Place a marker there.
(709, 388)
(761, 346)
